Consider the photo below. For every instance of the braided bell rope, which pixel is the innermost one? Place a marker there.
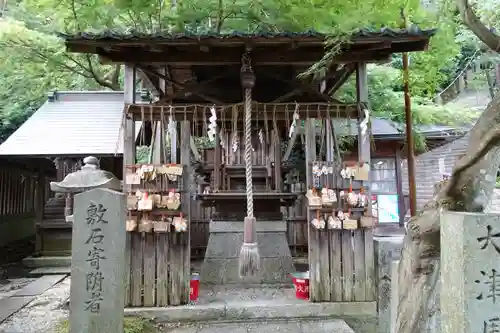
(248, 151)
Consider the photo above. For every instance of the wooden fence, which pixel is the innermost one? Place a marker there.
(345, 263)
(18, 203)
(159, 269)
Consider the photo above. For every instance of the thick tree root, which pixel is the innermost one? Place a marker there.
(418, 259)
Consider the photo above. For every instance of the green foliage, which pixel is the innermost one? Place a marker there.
(25, 82)
(142, 154)
(387, 101)
(38, 55)
(130, 325)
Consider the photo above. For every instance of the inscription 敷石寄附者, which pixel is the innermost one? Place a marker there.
(94, 278)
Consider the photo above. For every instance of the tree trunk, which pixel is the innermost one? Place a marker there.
(468, 190)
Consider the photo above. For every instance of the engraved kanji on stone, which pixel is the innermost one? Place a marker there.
(95, 214)
(94, 257)
(94, 286)
(492, 325)
(96, 236)
(492, 281)
(485, 241)
(93, 304)
(94, 281)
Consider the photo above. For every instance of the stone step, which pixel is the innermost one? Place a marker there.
(47, 261)
(274, 326)
(42, 271)
(255, 310)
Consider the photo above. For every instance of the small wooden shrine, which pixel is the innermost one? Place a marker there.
(202, 95)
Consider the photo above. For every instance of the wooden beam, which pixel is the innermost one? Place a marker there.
(283, 98)
(196, 87)
(281, 112)
(151, 71)
(299, 87)
(227, 56)
(146, 79)
(340, 78)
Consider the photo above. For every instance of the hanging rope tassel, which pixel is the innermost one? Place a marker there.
(249, 263)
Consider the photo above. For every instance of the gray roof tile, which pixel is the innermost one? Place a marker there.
(111, 35)
(427, 168)
(76, 123)
(428, 173)
(380, 127)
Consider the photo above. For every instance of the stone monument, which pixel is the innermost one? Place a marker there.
(387, 249)
(98, 250)
(470, 273)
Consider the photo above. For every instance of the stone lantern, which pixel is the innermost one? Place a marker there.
(88, 178)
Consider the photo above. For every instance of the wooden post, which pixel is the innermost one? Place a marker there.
(128, 158)
(410, 146)
(399, 185)
(364, 156)
(39, 210)
(185, 136)
(313, 241)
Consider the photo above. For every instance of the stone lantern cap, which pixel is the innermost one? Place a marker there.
(88, 178)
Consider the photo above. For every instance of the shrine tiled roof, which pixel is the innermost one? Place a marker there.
(235, 36)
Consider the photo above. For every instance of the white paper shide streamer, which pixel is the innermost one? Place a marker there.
(364, 123)
(294, 123)
(212, 125)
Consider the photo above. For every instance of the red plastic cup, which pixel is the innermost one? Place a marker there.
(194, 287)
(301, 285)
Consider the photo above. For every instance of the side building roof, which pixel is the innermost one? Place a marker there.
(72, 123)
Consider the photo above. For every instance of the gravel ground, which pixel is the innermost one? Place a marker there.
(43, 314)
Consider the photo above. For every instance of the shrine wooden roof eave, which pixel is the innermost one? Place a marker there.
(280, 49)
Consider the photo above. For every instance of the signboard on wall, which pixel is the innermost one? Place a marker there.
(388, 208)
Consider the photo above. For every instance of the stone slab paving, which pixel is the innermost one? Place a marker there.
(9, 287)
(42, 313)
(257, 307)
(319, 326)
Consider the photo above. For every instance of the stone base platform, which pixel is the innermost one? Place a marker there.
(265, 302)
(221, 258)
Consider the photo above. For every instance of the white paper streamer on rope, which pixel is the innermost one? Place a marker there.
(212, 125)
(294, 122)
(322, 88)
(171, 125)
(364, 124)
(234, 142)
(222, 138)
